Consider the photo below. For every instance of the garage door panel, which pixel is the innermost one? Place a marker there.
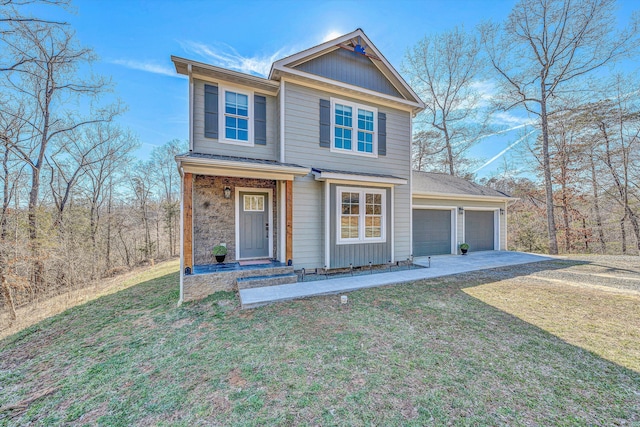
(431, 232)
(479, 230)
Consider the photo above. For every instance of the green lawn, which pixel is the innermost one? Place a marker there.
(425, 353)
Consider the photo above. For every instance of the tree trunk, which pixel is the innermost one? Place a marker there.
(449, 151)
(548, 185)
(623, 235)
(108, 249)
(596, 205)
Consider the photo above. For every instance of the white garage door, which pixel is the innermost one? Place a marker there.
(479, 230)
(431, 232)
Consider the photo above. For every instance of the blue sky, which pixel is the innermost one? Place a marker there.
(134, 41)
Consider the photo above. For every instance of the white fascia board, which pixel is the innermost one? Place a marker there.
(209, 72)
(345, 177)
(357, 93)
(453, 196)
(253, 170)
(312, 52)
(331, 45)
(416, 107)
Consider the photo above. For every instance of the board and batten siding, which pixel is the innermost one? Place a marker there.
(202, 144)
(351, 68)
(308, 223)
(302, 133)
(421, 201)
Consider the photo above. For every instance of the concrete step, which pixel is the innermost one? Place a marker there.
(266, 280)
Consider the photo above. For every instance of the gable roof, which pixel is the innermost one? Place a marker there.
(349, 41)
(435, 184)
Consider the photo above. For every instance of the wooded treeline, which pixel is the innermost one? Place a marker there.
(566, 72)
(76, 204)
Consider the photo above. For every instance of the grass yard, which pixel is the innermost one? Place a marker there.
(461, 350)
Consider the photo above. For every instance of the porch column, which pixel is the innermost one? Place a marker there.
(187, 221)
(289, 221)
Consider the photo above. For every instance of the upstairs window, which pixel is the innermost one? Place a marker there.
(353, 128)
(236, 120)
(236, 116)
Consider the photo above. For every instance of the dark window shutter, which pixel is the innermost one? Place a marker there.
(382, 134)
(211, 111)
(260, 120)
(325, 123)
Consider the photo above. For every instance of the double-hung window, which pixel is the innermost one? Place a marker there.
(236, 118)
(361, 215)
(353, 128)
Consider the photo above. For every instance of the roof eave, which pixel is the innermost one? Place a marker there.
(230, 164)
(431, 194)
(214, 72)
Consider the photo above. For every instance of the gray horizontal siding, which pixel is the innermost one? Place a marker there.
(201, 144)
(302, 135)
(308, 223)
(402, 219)
(361, 253)
(351, 68)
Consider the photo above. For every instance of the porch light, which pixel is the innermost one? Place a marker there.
(227, 192)
(460, 210)
(501, 211)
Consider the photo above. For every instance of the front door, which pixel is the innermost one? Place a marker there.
(254, 224)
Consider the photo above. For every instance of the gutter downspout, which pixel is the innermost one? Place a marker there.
(191, 89)
(181, 234)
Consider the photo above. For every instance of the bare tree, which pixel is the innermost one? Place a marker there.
(444, 69)
(11, 13)
(167, 176)
(543, 47)
(48, 79)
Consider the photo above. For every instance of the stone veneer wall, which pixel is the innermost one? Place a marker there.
(214, 216)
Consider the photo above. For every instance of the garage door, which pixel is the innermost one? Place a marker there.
(431, 232)
(479, 230)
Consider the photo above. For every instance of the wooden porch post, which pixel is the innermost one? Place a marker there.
(187, 224)
(289, 221)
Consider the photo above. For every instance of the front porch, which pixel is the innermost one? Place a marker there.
(245, 205)
(210, 278)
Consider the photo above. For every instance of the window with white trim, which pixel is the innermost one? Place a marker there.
(353, 128)
(236, 120)
(361, 215)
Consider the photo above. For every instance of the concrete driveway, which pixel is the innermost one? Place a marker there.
(441, 265)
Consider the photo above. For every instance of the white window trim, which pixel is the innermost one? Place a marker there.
(361, 222)
(221, 115)
(354, 129)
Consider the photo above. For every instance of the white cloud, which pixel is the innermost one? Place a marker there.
(508, 119)
(149, 67)
(486, 89)
(226, 56)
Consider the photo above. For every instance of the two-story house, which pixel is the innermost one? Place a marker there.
(310, 167)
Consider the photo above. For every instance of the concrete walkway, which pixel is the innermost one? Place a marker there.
(441, 265)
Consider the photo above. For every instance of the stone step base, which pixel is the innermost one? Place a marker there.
(267, 280)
